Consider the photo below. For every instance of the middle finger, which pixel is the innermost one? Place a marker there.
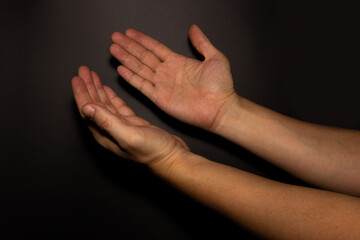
(135, 49)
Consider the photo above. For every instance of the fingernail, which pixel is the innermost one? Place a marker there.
(88, 111)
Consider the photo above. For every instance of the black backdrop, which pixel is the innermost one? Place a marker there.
(298, 58)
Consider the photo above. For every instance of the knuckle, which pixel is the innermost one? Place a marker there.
(132, 76)
(105, 124)
(96, 99)
(107, 102)
(156, 45)
(145, 54)
(126, 61)
(135, 141)
(141, 85)
(140, 68)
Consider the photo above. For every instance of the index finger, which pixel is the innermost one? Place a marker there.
(81, 93)
(159, 49)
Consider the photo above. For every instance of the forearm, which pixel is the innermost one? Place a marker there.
(268, 208)
(325, 156)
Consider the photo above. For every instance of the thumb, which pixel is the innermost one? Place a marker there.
(201, 42)
(105, 120)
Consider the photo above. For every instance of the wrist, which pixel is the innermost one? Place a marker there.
(165, 166)
(229, 112)
(179, 166)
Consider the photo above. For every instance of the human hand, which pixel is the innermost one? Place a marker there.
(192, 91)
(117, 128)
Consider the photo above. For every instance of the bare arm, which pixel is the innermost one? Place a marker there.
(270, 209)
(324, 156)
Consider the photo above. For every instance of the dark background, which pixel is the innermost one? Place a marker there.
(298, 58)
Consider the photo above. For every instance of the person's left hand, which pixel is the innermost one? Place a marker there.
(195, 92)
(117, 128)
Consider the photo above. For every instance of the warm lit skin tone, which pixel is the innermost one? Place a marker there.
(326, 157)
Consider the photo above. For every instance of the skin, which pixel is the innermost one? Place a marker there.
(174, 82)
(324, 156)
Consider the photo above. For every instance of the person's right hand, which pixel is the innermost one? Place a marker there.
(192, 91)
(118, 129)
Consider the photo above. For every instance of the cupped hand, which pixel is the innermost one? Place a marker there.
(116, 126)
(192, 91)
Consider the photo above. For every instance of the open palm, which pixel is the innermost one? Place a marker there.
(190, 90)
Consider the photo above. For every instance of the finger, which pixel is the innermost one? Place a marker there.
(80, 92)
(182, 142)
(85, 74)
(141, 84)
(108, 122)
(201, 42)
(101, 92)
(142, 54)
(118, 103)
(159, 49)
(106, 141)
(135, 121)
(131, 62)
(99, 88)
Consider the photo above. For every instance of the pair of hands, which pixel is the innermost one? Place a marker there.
(192, 91)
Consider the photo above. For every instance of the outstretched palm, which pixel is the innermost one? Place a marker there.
(190, 90)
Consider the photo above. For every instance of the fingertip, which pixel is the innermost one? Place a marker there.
(111, 48)
(101, 116)
(114, 48)
(124, 72)
(74, 82)
(83, 68)
(114, 35)
(201, 42)
(88, 111)
(193, 26)
(106, 87)
(195, 29)
(93, 73)
(132, 33)
(84, 72)
(119, 68)
(119, 38)
(196, 32)
(74, 79)
(77, 84)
